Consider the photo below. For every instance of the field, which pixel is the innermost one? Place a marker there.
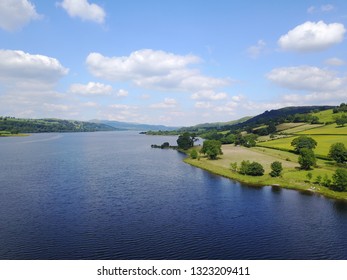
(324, 143)
(330, 129)
(280, 149)
(300, 128)
(292, 177)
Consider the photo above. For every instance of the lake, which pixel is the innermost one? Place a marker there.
(109, 195)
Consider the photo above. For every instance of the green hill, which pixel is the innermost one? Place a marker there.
(318, 124)
(10, 125)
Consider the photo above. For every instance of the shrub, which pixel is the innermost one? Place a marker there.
(276, 169)
(252, 169)
(194, 154)
(338, 152)
(340, 179)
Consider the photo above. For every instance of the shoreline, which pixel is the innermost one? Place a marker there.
(266, 180)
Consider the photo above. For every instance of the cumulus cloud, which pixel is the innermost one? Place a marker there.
(168, 103)
(153, 69)
(23, 70)
(334, 61)
(312, 36)
(306, 78)
(122, 106)
(209, 94)
(324, 8)
(142, 63)
(84, 10)
(14, 14)
(256, 50)
(122, 93)
(91, 88)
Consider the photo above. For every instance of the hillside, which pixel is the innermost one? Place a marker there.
(216, 125)
(134, 126)
(10, 125)
(267, 149)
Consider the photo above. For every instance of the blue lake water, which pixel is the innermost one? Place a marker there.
(109, 195)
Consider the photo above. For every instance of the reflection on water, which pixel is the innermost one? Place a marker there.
(341, 206)
(110, 196)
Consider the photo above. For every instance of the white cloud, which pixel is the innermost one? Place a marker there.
(306, 78)
(23, 70)
(122, 93)
(153, 69)
(209, 94)
(56, 107)
(122, 106)
(91, 88)
(90, 104)
(255, 51)
(312, 36)
(142, 63)
(327, 8)
(324, 8)
(168, 103)
(203, 105)
(334, 61)
(311, 9)
(325, 98)
(14, 14)
(84, 10)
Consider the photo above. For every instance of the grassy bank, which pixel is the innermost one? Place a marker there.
(292, 177)
(9, 134)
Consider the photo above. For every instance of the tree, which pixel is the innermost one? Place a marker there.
(309, 176)
(341, 121)
(212, 148)
(338, 152)
(185, 141)
(276, 169)
(233, 166)
(303, 142)
(340, 179)
(194, 154)
(165, 145)
(244, 167)
(253, 169)
(307, 159)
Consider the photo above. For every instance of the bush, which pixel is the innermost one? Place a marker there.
(252, 169)
(338, 152)
(194, 154)
(276, 169)
(340, 179)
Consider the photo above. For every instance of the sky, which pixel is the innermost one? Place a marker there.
(171, 62)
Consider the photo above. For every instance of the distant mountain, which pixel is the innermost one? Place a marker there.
(134, 126)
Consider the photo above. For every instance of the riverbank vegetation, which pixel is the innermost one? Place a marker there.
(311, 159)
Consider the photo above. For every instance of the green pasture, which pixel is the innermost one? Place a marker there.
(301, 128)
(323, 146)
(285, 126)
(327, 129)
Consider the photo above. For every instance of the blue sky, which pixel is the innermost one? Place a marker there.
(169, 62)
